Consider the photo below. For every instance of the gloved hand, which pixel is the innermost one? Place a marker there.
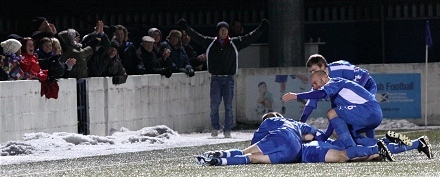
(141, 69)
(115, 80)
(264, 25)
(182, 23)
(190, 72)
(167, 72)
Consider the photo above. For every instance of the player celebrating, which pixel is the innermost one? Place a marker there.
(354, 106)
(279, 140)
(345, 70)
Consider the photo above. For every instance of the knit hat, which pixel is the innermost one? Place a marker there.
(147, 39)
(11, 46)
(175, 33)
(114, 43)
(222, 24)
(36, 23)
(152, 30)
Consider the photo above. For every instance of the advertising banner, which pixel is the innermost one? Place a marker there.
(399, 95)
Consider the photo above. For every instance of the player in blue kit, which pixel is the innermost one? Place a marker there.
(421, 144)
(345, 70)
(279, 140)
(392, 139)
(356, 110)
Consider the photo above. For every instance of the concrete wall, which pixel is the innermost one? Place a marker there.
(180, 102)
(23, 110)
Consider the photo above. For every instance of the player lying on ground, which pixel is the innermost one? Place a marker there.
(396, 142)
(279, 140)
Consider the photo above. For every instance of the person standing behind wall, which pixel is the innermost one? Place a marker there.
(126, 51)
(222, 62)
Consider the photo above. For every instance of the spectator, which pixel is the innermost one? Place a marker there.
(222, 54)
(56, 47)
(57, 51)
(72, 49)
(177, 55)
(150, 63)
(10, 60)
(32, 70)
(112, 66)
(156, 34)
(94, 62)
(44, 49)
(197, 62)
(12, 36)
(42, 28)
(127, 51)
(30, 64)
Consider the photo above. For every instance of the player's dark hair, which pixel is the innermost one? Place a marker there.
(316, 59)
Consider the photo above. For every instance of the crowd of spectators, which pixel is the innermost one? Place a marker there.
(48, 55)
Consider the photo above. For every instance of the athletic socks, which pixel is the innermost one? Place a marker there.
(361, 151)
(398, 148)
(342, 130)
(329, 130)
(236, 160)
(231, 153)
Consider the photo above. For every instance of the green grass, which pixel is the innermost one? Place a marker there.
(179, 162)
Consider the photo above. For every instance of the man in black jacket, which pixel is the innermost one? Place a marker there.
(222, 61)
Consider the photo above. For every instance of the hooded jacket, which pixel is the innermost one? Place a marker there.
(72, 49)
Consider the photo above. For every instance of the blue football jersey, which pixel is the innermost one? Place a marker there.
(346, 70)
(275, 123)
(351, 72)
(343, 92)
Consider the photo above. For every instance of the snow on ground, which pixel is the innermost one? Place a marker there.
(61, 145)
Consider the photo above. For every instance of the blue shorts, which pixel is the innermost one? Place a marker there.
(282, 146)
(360, 118)
(315, 151)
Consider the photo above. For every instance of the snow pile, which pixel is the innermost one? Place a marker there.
(42, 142)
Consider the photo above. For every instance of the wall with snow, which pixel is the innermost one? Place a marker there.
(179, 102)
(23, 110)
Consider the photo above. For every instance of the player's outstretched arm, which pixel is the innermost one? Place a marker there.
(289, 96)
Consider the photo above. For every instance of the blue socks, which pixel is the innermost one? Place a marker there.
(397, 148)
(342, 130)
(329, 130)
(360, 151)
(236, 160)
(231, 153)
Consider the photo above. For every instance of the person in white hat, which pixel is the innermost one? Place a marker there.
(11, 46)
(10, 63)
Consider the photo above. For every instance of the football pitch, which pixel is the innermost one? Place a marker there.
(180, 162)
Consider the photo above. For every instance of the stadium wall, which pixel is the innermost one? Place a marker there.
(180, 102)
